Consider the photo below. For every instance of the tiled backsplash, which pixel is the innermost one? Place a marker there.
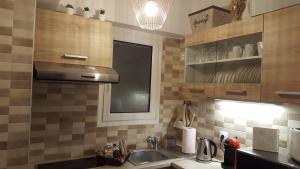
(16, 53)
(239, 118)
(64, 116)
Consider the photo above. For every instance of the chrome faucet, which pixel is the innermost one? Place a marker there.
(153, 142)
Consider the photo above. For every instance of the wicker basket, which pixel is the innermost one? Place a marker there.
(209, 17)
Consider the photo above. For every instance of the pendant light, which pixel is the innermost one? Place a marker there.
(151, 14)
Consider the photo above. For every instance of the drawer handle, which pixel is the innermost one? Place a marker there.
(283, 93)
(239, 92)
(88, 76)
(78, 57)
(197, 90)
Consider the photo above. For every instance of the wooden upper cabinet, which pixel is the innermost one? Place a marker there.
(281, 56)
(232, 30)
(57, 34)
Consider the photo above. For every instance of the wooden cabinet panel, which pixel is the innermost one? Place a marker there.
(57, 34)
(246, 92)
(235, 29)
(281, 56)
(203, 90)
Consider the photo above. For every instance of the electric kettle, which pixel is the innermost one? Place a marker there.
(204, 150)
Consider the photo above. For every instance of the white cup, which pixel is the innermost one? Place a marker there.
(70, 11)
(249, 50)
(259, 48)
(237, 51)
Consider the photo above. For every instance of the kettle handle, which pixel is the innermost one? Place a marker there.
(213, 154)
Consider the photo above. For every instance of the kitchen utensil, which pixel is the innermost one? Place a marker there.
(205, 53)
(212, 53)
(222, 52)
(249, 50)
(259, 48)
(265, 139)
(294, 144)
(205, 151)
(237, 51)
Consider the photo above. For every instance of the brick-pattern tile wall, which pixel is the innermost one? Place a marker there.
(16, 53)
(64, 116)
(210, 121)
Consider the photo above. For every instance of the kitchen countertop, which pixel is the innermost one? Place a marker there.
(178, 163)
(281, 157)
(177, 160)
(192, 164)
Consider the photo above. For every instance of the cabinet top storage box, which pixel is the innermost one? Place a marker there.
(209, 17)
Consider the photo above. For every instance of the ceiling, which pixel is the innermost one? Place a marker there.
(119, 11)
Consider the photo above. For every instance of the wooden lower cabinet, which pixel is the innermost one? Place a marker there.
(203, 90)
(243, 92)
(281, 56)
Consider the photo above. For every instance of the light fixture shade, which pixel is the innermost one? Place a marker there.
(151, 14)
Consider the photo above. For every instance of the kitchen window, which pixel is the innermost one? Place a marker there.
(135, 99)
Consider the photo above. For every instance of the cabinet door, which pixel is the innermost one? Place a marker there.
(281, 61)
(57, 34)
(245, 92)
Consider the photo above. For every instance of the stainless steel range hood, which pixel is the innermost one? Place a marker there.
(75, 73)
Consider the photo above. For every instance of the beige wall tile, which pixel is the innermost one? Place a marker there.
(6, 40)
(4, 30)
(17, 127)
(22, 33)
(5, 48)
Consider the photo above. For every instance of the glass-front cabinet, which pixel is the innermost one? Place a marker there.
(227, 67)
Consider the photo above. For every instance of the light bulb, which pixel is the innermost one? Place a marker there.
(151, 8)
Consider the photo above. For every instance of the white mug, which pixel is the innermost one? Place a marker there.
(237, 51)
(259, 48)
(249, 50)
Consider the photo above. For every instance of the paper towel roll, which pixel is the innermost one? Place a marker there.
(189, 140)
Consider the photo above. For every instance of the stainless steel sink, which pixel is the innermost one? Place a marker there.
(139, 157)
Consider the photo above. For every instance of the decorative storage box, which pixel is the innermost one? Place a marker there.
(265, 139)
(209, 17)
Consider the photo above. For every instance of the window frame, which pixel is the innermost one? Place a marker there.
(105, 118)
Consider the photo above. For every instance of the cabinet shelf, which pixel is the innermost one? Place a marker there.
(201, 63)
(239, 59)
(225, 60)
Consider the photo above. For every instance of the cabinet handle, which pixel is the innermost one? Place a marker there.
(239, 92)
(284, 93)
(197, 90)
(88, 76)
(78, 57)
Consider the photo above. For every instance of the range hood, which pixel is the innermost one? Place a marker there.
(75, 73)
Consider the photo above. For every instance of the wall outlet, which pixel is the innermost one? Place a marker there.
(223, 135)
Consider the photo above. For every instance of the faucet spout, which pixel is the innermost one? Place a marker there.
(153, 142)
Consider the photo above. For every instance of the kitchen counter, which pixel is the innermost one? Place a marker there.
(192, 164)
(282, 157)
(178, 163)
(177, 160)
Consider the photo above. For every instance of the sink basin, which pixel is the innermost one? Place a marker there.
(139, 157)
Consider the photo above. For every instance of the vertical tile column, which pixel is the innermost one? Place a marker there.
(16, 53)
(6, 27)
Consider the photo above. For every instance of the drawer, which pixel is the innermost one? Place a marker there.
(245, 92)
(204, 90)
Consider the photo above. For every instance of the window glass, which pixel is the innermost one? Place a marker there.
(133, 63)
